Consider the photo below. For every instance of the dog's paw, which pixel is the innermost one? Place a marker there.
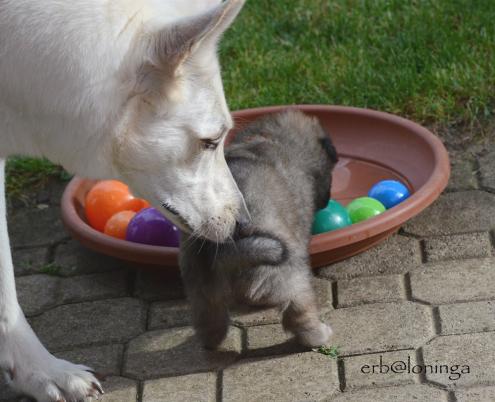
(57, 381)
(316, 336)
(31, 370)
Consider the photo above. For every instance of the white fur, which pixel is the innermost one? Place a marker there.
(121, 89)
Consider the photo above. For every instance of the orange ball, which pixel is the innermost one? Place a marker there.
(104, 200)
(116, 226)
(136, 204)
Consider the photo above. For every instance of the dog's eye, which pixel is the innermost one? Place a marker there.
(210, 144)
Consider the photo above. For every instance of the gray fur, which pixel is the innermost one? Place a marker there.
(282, 164)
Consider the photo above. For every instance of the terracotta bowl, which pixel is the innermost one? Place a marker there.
(372, 145)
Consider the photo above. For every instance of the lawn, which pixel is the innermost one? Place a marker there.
(429, 60)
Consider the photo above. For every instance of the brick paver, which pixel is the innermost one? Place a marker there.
(73, 259)
(199, 387)
(477, 394)
(168, 314)
(106, 360)
(153, 286)
(324, 293)
(271, 339)
(94, 287)
(462, 280)
(30, 260)
(35, 227)
(398, 254)
(487, 167)
(119, 389)
(299, 377)
(467, 317)
(467, 211)
(407, 393)
(423, 297)
(463, 173)
(37, 293)
(469, 245)
(380, 369)
(356, 291)
(114, 320)
(461, 360)
(379, 327)
(176, 351)
(245, 316)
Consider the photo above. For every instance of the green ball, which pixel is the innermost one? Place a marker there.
(364, 208)
(334, 216)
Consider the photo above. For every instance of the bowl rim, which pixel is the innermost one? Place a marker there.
(394, 217)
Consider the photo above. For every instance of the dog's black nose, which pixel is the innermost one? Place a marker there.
(243, 228)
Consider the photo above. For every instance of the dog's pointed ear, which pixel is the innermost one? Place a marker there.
(184, 37)
(171, 46)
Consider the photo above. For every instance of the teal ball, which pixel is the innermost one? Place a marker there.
(334, 216)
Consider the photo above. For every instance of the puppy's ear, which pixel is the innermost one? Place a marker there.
(324, 176)
(330, 150)
(166, 50)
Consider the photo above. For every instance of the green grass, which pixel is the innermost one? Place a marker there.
(429, 60)
(26, 175)
(50, 269)
(331, 351)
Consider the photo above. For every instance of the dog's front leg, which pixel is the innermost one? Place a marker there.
(28, 366)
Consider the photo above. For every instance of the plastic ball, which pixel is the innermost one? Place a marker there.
(104, 200)
(389, 192)
(334, 216)
(364, 208)
(135, 204)
(149, 226)
(116, 226)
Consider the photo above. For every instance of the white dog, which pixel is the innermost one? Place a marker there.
(124, 89)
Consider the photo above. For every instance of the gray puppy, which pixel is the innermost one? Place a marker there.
(283, 165)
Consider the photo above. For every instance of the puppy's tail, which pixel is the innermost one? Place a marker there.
(263, 249)
(258, 249)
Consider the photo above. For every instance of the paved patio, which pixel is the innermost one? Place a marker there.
(426, 297)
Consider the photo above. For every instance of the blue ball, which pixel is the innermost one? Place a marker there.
(389, 192)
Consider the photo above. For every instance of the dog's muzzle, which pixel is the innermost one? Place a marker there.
(184, 225)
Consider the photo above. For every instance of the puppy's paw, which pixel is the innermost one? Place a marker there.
(314, 337)
(211, 338)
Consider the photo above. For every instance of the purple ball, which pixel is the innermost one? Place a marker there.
(149, 226)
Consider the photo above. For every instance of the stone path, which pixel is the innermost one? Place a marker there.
(414, 318)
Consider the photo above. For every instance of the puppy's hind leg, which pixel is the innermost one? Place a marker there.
(301, 317)
(29, 367)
